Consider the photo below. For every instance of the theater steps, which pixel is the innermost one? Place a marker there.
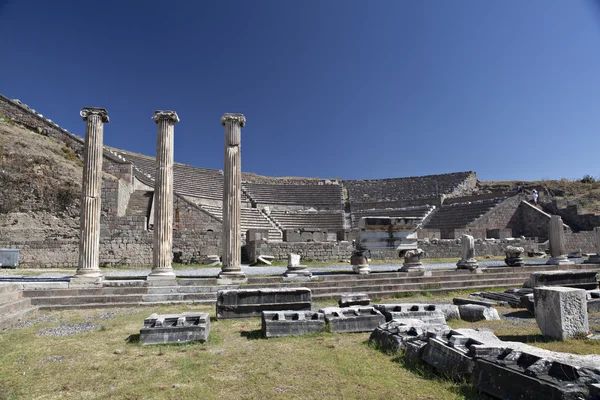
(188, 290)
(13, 306)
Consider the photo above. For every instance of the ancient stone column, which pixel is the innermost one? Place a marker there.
(556, 236)
(88, 270)
(595, 258)
(232, 198)
(163, 196)
(468, 260)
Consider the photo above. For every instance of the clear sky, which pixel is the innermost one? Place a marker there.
(348, 89)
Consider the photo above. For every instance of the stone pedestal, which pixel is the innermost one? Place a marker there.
(468, 260)
(88, 271)
(359, 263)
(163, 197)
(412, 261)
(513, 256)
(295, 269)
(561, 312)
(556, 235)
(595, 259)
(231, 270)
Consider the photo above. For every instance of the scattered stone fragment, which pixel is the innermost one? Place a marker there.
(354, 299)
(474, 313)
(460, 301)
(291, 323)
(245, 303)
(580, 279)
(175, 328)
(352, 319)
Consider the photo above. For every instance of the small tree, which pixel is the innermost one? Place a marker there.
(587, 178)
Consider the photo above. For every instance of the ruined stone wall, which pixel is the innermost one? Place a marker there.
(532, 222)
(504, 215)
(309, 251)
(452, 248)
(580, 240)
(572, 215)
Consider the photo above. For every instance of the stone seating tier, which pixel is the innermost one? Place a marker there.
(360, 191)
(251, 218)
(302, 219)
(317, 196)
(139, 204)
(459, 215)
(187, 180)
(419, 211)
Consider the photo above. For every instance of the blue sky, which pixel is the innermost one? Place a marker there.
(348, 89)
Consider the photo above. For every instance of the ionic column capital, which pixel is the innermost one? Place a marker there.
(235, 118)
(86, 112)
(165, 114)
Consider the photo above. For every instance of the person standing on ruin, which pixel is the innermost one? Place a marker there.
(534, 196)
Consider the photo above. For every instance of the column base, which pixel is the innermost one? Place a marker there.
(86, 280)
(412, 266)
(470, 264)
(362, 269)
(559, 260)
(231, 277)
(298, 271)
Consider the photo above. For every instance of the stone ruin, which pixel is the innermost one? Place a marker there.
(513, 256)
(175, 328)
(468, 260)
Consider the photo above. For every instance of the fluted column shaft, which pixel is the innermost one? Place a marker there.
(163, 195)
(91, 186)
(232, 196)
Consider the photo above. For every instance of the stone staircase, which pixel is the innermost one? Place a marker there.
(140, 203)
(459, 215)
(13, 306)
(189, 290)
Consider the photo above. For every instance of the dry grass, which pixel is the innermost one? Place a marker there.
(234, 363)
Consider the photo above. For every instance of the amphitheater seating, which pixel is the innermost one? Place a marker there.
(251, 218)
(360, 191)
(459, 215)
(316, 196)
(187, 180)
(139, 204)
(330, 220)
(417, 211)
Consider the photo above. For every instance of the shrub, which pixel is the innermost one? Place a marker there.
(588, 179)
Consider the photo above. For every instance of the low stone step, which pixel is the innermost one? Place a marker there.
(178, 297)
(79, 300)
(9, 287)
(8, 320)
(58, 307)
(85, 292)
(124, 283)
(14, 306)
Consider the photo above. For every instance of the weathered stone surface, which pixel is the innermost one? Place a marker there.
(232, 198)
(593, 305)
(244, 303)
(418, 311)
(595, 258)
(528, 301)
(88, 271)
(175, 328)
(294, 269)
(561, 312)
(450, 361)
(580, 279)
(475, 312)
(513, 256)
(412, 260)
(467, 260)
(396, 334)
(556, 235)
(291, 323)
(162, 242)
(460, 301)
(354, 299)
(352, 319)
